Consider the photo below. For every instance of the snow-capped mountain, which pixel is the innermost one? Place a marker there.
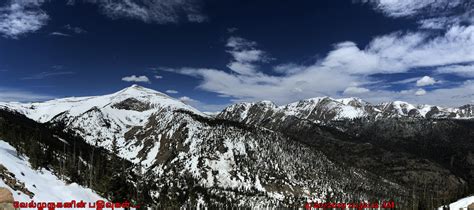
(215, 159)
(413, 145)
(324, 109)
(103, 120)
(182, 152)
(250, 154)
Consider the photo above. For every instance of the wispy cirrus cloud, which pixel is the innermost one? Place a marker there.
(425, 8)
(172, 91)
(406, 81)
(21, 17)
(460, 70)
(154, 11)
(245, 55)
(70, 30)
(47, 74)
(75, 29)
(430, 14)
(57, 33)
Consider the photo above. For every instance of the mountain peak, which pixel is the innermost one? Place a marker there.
(132, 98)
(137, 90)
(139, 87)
(136, 87)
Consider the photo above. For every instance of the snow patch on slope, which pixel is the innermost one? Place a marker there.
(461, 203)
(47, 187)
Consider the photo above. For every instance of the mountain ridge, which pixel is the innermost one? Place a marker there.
(324, 109)
(351, 107)
(257, 153)
(101, 120)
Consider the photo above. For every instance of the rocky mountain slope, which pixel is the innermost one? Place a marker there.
(103, 120)
(180, 156)
(250, 154)
(219, 160)
(425, 148)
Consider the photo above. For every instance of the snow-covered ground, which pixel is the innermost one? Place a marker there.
(461, 203)
(47, 187)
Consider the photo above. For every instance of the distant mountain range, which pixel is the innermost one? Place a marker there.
(325, 109)
(257, 154)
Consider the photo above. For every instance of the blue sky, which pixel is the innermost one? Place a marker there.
(213, 53)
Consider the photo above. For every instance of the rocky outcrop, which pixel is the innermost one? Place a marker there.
(132, 104)
(10, 180)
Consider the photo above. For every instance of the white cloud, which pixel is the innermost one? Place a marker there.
(349, 65)
(75, 29)
(21, 17)
(313, 81)
(403, 8)
(154, 11)
(240, 43)
(187, 100)
(57, 33)
(197, 18)
(172, 91)
(406, 81)
(425, 81)
(449, 44)
(430, 14)
(288, 68)
(420, 92)
(453, 97)
(47, 74)
(70, 29)
(350, 58)
(355, 90)
(399, 52)
(158, 77)
(134, 78)
(461, 70)
(245, 55)
(345, 66)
